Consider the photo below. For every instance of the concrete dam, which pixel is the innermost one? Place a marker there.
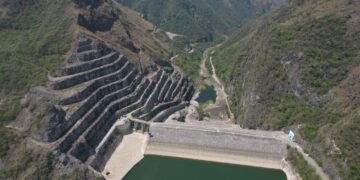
(227, 144)
(103, 100)
(220, 144)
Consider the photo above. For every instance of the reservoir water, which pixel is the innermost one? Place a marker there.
(166, 168)
(207, 94)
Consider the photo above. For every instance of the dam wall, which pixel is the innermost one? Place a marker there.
(225, 145)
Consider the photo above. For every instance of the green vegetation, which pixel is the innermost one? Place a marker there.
(33, 39)
(300, 164)
(327, 49)
(310, 132)
(201, 113)
(25, 160)
(279, 71)
(292, 111)
(223, 59)
(189, 63)
(200, 20)
(349, 142)
(33, 44)
(292, 69)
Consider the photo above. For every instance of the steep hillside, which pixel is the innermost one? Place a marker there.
(37, 37)
(298, 68)
(200, 20)
(31, 44)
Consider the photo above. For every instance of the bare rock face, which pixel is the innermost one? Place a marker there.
(91, 3)
(12, 4)
(95, 16)
(48, 121)
(40, 117)
(101, 22)
(54, 121)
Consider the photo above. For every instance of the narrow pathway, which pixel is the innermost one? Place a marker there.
(222, 89)
(311, 162)
(221, 96)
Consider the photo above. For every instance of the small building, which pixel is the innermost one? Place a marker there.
(291, 136)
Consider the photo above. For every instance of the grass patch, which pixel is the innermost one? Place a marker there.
(33, 39)
(348, 140)
(328, 51)
(189, 63)
(201, 113)
(201, 20)
(224, 59)
(298, 162)
(292, 110)
(309, 132)
(301, 50)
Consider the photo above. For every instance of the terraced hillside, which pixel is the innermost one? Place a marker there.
(98, 87)
(65, 86)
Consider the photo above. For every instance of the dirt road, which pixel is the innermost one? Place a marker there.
(211, 78)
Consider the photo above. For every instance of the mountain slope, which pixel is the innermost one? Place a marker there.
(36, 39)
(298, 68)
(200, 20)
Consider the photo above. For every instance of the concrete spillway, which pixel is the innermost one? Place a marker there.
(97, 87)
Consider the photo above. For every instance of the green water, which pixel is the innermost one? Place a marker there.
(165, 168)
(207, 94)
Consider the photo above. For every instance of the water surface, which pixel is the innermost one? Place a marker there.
(166, 168)
(207, 94)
